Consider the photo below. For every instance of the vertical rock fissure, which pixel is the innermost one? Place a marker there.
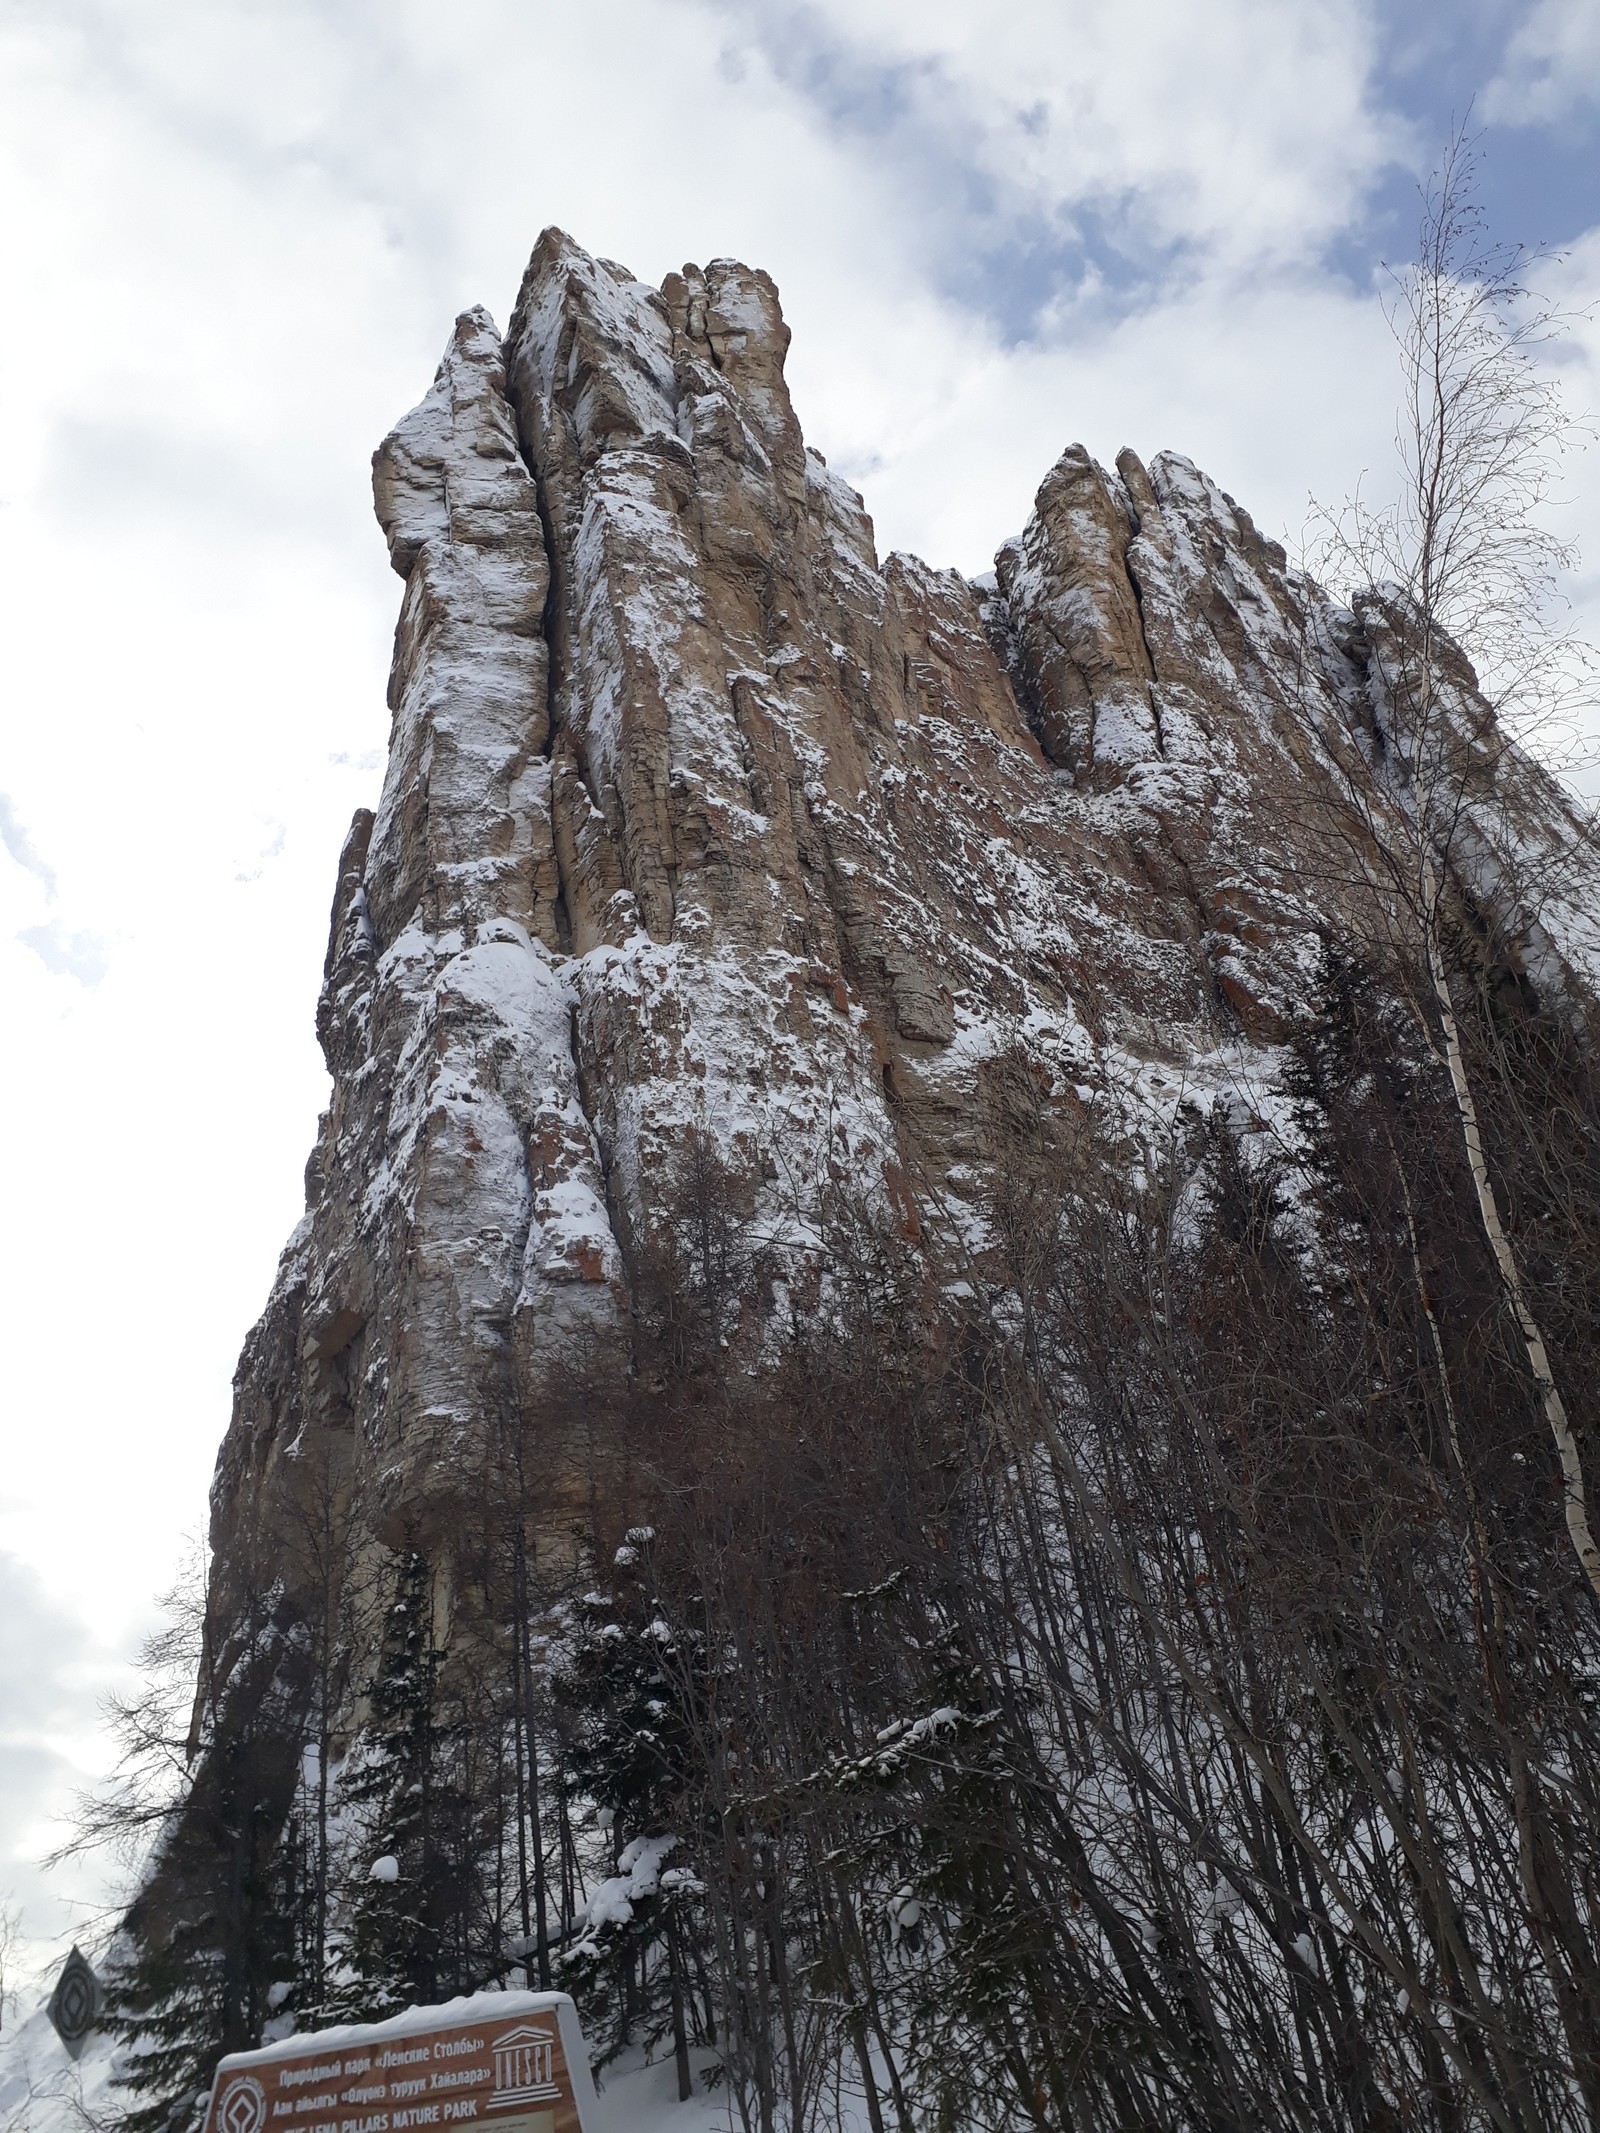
(557, 679)
(550, 632)
(616, 1210)
(1000, 629)
(1137, 590)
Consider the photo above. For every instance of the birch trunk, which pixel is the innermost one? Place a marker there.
(1576, 1506)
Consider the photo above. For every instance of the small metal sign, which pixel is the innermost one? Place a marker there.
(76, 2002)
(499, 2062)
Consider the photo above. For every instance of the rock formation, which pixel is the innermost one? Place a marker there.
(700, 819)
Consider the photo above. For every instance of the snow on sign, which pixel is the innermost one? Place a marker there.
(499, 2062)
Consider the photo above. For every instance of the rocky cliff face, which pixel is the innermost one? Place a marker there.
(702, 820)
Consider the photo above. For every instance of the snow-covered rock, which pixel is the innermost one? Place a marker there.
(703, 821)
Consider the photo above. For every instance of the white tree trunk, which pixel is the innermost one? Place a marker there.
(1577, 1510)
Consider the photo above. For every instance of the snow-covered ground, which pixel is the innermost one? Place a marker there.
(41, 2090)
(637, 2098)
(644, 2099)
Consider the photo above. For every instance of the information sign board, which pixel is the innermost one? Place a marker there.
(499, 2062)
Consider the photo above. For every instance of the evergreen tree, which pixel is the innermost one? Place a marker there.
(413, 1897)
(622, 1695)
(208, 1944)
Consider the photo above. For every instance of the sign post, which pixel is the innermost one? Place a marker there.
(76, 2002)
(499, 2062)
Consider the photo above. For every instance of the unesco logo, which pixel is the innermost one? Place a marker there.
(75, 2003)
(243, 2108)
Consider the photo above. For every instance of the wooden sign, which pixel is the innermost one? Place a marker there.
(500, 2062)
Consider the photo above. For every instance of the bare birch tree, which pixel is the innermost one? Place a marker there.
(1462, 566)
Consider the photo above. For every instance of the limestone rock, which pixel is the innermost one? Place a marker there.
(700, 820)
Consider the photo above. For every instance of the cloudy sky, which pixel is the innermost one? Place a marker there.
(234, 238)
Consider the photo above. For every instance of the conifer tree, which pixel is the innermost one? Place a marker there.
(411, 1879)
(210, 1935)
(629, 1759)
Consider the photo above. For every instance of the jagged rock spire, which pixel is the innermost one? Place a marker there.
(700, 820)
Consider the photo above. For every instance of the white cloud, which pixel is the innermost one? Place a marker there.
(50, 1673)
(1551, 69)
(82, 956)
(1247, 129)
(17, 842)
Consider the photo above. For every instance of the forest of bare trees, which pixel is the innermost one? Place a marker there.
(1165, 1699)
